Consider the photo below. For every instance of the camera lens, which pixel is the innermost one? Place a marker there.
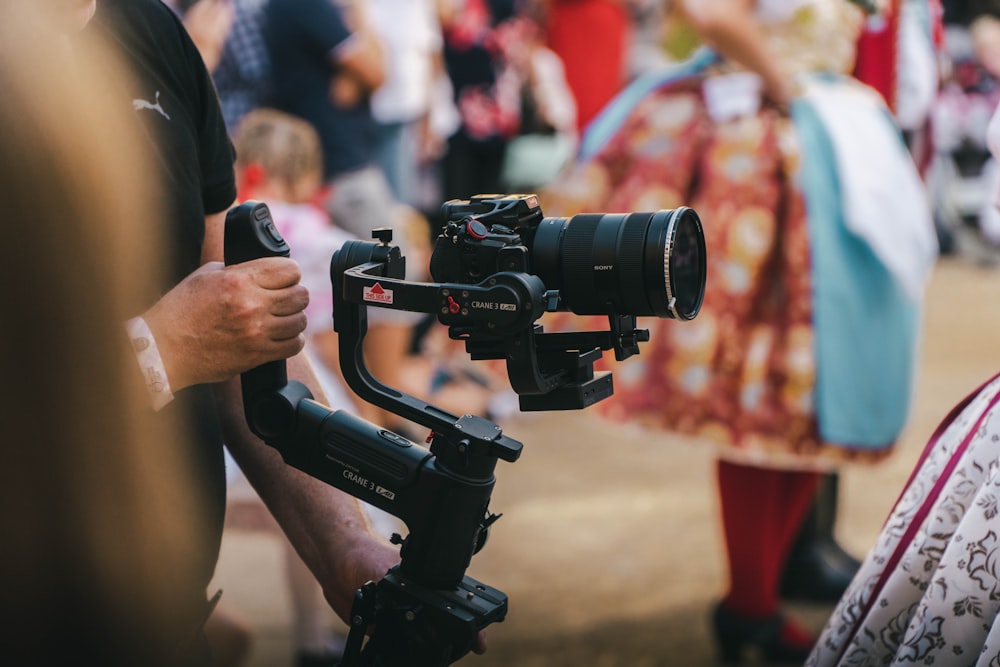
(643, 264)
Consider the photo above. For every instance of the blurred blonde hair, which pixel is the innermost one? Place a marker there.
(287, 147)
(84, 538)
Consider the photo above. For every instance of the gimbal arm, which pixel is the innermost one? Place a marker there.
(448, 532)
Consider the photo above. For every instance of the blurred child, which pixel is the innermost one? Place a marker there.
(279, 161)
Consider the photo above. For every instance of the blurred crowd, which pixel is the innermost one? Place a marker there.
(461, 97)
(349, 115)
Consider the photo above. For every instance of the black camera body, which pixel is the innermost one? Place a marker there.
(485, 235)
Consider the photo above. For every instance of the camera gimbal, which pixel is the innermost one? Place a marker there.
(426, 611)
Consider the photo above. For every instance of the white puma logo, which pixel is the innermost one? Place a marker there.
(138, 104)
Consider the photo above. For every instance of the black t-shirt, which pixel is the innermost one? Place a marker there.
(174, 100)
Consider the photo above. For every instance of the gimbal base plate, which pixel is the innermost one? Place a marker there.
(416, 626)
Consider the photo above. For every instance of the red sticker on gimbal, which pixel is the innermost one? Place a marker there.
(376, 294)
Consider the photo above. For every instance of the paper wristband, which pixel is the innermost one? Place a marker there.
(146, 353)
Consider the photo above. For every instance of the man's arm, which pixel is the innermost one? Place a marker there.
(327, 527)
(734, 31)
(359, 61)
(361, 56)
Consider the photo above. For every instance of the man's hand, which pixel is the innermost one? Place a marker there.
(221, 321)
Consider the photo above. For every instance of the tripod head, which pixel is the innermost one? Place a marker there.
(427, 611)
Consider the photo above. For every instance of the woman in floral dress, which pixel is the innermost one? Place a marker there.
(819, 247)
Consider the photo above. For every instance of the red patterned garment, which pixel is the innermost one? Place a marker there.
(742, 372)
(818, 248)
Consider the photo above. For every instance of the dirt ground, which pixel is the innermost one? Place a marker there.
(609, 549)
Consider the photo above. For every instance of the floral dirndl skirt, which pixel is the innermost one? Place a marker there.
(929, 591)
(743, 373)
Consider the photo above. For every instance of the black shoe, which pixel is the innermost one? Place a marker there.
(737, 636)
(817, 568)
(819, 571)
